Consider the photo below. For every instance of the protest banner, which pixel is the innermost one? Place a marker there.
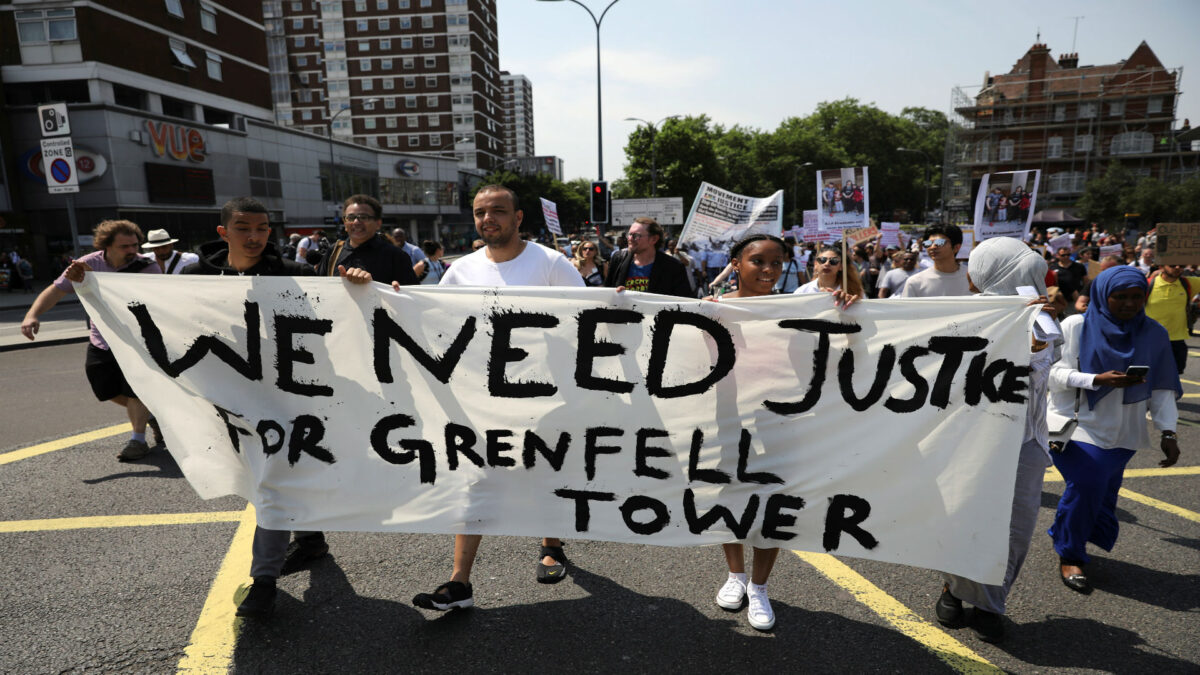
(889, 234)
(719, 218)
(586, 413)
(843, 199)
(1106, 251)
(1177, 244)
(1061, 241)
(857, 235)
(550, 212)
(1005, 204)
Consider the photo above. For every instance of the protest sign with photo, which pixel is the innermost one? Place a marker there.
(719, 218)
(1005, 203)
(843, 198)
(586, 413)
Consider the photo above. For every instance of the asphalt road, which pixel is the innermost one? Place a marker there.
(111, 594)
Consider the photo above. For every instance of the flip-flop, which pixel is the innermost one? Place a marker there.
(551, 574)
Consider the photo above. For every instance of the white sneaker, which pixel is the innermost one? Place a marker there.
(760, 614)
(732, 593)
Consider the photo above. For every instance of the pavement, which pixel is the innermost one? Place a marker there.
(65, 323)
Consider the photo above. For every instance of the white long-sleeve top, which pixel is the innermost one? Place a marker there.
(1112, 423)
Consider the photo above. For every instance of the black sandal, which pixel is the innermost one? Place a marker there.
(551, 574)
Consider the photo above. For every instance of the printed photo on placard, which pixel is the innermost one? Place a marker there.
(1005, 203)
(843, 198)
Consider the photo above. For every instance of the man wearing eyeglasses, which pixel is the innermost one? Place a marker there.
(364, 249)
(1167, 303)
(894, 281)
(643, 267)
(947, 276)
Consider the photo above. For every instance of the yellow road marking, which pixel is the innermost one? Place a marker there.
(1189, 381)
(210, 649)
(1187, 423)
(1169, 508)
(51, 446)
(1194, 353)
(91, 522)
(954, 653)
(1191, 396)
(1053, 476)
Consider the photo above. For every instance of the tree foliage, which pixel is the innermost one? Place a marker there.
(754, 162)
(1108, 198)
(571, 198)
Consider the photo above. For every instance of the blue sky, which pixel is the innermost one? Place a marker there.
(757, 62)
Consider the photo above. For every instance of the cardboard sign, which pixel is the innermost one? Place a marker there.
(1178, 244)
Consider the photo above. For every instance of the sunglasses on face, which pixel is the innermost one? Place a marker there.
(832, 260)
(634, 235)
(355, 217)
(588, 248)
(936, 242)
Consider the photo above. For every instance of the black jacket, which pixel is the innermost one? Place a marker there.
(214, 259)
(668, 276)
(385, 262)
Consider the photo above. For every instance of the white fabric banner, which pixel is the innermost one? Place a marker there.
(889, 431)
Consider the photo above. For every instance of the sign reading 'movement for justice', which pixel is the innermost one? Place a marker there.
(887, 432)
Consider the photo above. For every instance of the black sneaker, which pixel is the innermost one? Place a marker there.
(949, 609)
(303, 551)
(133, 451)
(260, 601)
(158, 437)
(988, 626)
(450, 595)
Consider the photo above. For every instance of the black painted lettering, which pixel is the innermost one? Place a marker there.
(307, 433)
(636, 503)
(695, 473)
(272, 435)
(642, 451)
(883, 373)
(761, 477)
(503, 353)
(664, 325)
(837, 521)
(699, 523)
(235, 425)
(385, 330)
(460, 440)
(952, 350)
(496, 447)
(909, 370)
(1014, 382)
(410, 448)
(249, 367)
(583, 512)
(973, 388)
(591, 448)
(590, 349)
(774, 517)
(534, 445)
(287, 354)
(823, 329)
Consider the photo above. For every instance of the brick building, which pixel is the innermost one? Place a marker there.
(1068, 120)
(516, 103)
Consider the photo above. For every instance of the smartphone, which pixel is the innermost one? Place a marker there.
(1137, 371)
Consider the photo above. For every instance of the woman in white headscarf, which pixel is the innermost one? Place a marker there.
(1000, 266)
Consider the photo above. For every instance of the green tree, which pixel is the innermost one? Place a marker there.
(1105, 198)
(570, 198)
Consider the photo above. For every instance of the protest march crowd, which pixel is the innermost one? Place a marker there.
(1106, 351)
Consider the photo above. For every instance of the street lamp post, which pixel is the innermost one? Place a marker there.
(332, 167)
(796, 187)
(599, 116)
(928, 163)
(653, 149)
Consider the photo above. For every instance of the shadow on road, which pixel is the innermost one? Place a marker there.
(1085, 645)
(1168, 590)
(159, 459)
(613, 630)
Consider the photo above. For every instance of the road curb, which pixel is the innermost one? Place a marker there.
(32, 344)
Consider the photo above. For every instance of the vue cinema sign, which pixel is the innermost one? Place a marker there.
(177, 142)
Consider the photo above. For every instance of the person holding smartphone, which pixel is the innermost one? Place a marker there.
(1119, 362)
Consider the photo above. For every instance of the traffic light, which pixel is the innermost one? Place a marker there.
(600, 202)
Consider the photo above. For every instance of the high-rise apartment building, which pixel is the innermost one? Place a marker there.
(517, 104)
(418, 76)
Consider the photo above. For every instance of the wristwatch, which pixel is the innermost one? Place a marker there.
(1168, 435)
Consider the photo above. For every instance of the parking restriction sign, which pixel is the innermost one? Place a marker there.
(58, 164)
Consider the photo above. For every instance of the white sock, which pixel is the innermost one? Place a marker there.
(740, 576)
(758, 589)
(139, 437)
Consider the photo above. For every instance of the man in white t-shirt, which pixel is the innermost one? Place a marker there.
(893, 282)
(947, 276)
(506, 260)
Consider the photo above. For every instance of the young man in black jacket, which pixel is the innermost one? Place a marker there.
(643, 267)
(364, 248)
(245, 249)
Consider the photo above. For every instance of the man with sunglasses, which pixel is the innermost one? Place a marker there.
(643, 267)
(1167, 303)
(364, 248)
(947, 276)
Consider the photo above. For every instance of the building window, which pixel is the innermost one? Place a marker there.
(982, 150)
(1116, 108)
(1009, 118)
(301, 61)
(1006, 151)
(365, 65)
(431, 101)
(410, 102)
(404, 4)
(410, 83)
(1132, 142)
(368, 105)
(393, 141)
(435, 121)
(369, 123)
(391, 122)
(265, 180)
(426, 21)
(361, 25)
(1154, 105)
(1067, 181)
(1054, 147)
(405, 43)
(360, 5)
(213, 62)
(381, 4)
(297, 6)
(389, 83)
(385, 64)
(385, 44)
(306, 115)
(412, 121)
(175, 8)
(427, 3)
(414, 141)
(45, 25)
(298, 42)
(364, 45)
(405, 23)
(1087, 110)
(430, 62)
(427, 42)
(208, 18)
(430, 82)
(1083, 143)
(297, 24)
(409, 63)
(179, 52)
(385, 24)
